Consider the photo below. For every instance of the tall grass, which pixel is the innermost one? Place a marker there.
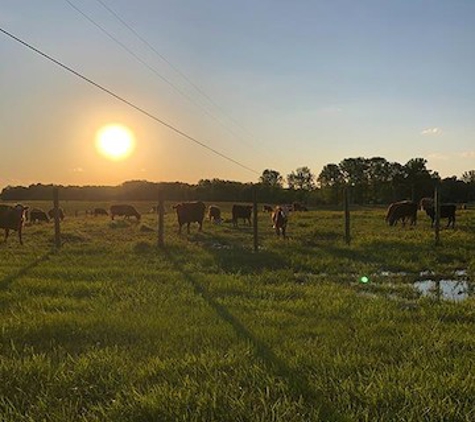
(112, 328)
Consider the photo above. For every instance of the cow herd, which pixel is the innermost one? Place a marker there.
(405, 212)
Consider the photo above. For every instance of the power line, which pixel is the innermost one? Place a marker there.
(182, 74)
(125, 101)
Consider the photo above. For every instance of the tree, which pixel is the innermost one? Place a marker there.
(271, 178)
(469, 177)
(301, 179)
(419, 179)
(330, 181)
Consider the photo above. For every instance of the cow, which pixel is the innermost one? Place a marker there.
(12, 218)
(446, 211)
(125, 210)
(241, 211)
(426, 203)
(279, 221)
(190, 212)
(36, 215)
(297, 206)
(214, 213)
(267, 208)
(60, 213)
(400, 211)
(99, 211)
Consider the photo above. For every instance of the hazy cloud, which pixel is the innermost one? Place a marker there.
(467, 154)
(77, 170)
(438, 156)
(431, 131)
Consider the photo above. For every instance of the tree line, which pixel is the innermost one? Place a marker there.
(370, 180)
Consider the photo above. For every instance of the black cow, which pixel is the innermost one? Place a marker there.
(36, 215)
(12, 218)
(243, 212)
(400, 211)
(125, 210)
(446, 211)
(60, 213)
(190, 212)
(268, 208)
(214, 213)
(297, 206)
(279, 220)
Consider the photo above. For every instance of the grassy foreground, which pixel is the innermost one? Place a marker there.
(111, 328)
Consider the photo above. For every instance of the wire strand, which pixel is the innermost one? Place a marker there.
(125, 101)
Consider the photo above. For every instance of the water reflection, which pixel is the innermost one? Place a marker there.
(455, 290)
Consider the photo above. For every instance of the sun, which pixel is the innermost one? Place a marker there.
(115, 141)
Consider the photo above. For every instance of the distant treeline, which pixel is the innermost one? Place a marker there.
(370, 181)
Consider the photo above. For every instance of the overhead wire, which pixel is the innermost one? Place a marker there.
(175, 68)
(125, 101)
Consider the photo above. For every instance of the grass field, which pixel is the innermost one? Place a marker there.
(112, 328)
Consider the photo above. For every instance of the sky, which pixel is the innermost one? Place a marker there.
(256, 84)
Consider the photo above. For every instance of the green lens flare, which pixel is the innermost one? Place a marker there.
(364, 279)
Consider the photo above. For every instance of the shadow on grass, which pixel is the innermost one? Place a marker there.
(5, 283)
(298, 383)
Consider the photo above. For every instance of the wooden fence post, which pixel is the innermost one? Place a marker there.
(160, 211)
(347, 216)
(437, 214)
(254, 219)
(57, 230)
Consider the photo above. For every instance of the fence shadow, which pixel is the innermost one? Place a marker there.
(297, 382)
(5, 282)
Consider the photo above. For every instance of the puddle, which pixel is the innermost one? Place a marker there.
(455, 290)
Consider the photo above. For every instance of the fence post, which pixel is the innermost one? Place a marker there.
(437, 214)
(160, 211)
(347, 216)
(254, 218)
(57, 230)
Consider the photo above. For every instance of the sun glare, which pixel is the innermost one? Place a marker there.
(115, 141)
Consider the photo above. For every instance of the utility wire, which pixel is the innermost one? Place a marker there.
(125, 101)
(177, 70)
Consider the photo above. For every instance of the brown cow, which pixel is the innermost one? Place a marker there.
(125, 210)
(214, 213)
(190, 212)
(36, 215)
(400, 211)
(99, 211)
(12, 218)
(297, 206)
(426, 203)
(268, 208)
(241, 211)
(60, 213)
(279, 220)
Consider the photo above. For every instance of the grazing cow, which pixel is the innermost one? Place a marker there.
(279, 220)
(400, 211)
(214, 213)
(12, 218)
(36, 215)
(241, 211)
(125, 210)
(446, 211)
(60, 213)
(297, 206)
(190, 212)
(99, 211)
(268, 208)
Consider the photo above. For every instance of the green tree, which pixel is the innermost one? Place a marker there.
(271, 178)
(301, 179)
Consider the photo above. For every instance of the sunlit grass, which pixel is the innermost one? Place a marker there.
(112, 328)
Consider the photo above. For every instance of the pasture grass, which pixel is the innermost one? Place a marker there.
(112, 328)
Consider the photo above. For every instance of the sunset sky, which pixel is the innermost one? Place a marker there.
(268, 83)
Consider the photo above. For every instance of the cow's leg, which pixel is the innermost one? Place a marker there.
(20, 236)
(6, 234)
(188, 228)
(201, 225)
(179, 228)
